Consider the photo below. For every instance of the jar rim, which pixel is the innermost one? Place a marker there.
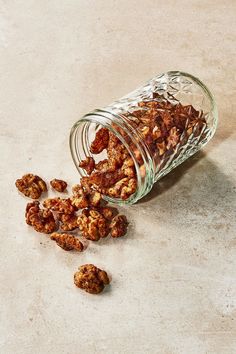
(108, 117)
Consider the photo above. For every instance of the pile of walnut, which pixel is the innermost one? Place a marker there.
(114, 176)
(162, 126)
(85, 211)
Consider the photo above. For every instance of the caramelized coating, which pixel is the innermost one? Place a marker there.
(93, 224)
(86, 184)
(67, 242)
(82, 198)
(91, 279)
(100, 142)
(31, 208)
(116, 151)
(106, 179)
(173, 138)
(88, 164)
(68, 221)
(129, 189)
(102, 165)
(42, 220)
(108, 212)
(59, 205)
(123, 189)
(31, 186)
(59, 185)
(95, 198)
(119, 226)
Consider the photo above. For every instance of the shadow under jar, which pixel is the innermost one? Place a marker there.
(147, 133)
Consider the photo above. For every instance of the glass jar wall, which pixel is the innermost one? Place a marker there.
(147, 133)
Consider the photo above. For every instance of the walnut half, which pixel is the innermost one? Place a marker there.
(42, 220)
(67, 242)
(31, 186)
(59, 185)
(91, 279)
(119, 226)
(93, 224)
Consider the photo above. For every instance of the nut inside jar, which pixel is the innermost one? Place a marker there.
(113, 161)
(109, 167)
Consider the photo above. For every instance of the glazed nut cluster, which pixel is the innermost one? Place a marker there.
(163, 127)
(84, 213)
(114, 176)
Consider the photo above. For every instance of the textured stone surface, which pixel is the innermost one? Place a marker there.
(173, 287)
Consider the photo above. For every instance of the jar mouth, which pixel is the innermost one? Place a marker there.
(80, 141)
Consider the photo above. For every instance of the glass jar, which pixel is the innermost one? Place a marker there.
(170, 97)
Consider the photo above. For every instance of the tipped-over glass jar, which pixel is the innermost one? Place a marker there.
(124, 148)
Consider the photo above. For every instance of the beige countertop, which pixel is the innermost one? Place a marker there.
(173, 287)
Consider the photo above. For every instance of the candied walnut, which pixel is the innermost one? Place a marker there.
(91, 279)
(145, 131)
(128, 167)
(195, 127)
(86, 183)
(137, 154)
(115, 191)
(130, 172)
(58, 184)
(156, 132)
(42, 220)
(146, 119)
(94, 198)
(31, 186)
(93, 224)
(173, 138)
(167, 120)
(68, 221)
(116, 151)
(31, 208)
(128, 163)
(117, 155)
(123, 188)
(80, 197)
(129, 189)
(161, 147)
(108, 212)
(113, 139)
(106, 179)
(88, 164)
(102, 165)
(67, 242)
(119, 226)
(100, 142)
(152, 104)
(59, 205)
